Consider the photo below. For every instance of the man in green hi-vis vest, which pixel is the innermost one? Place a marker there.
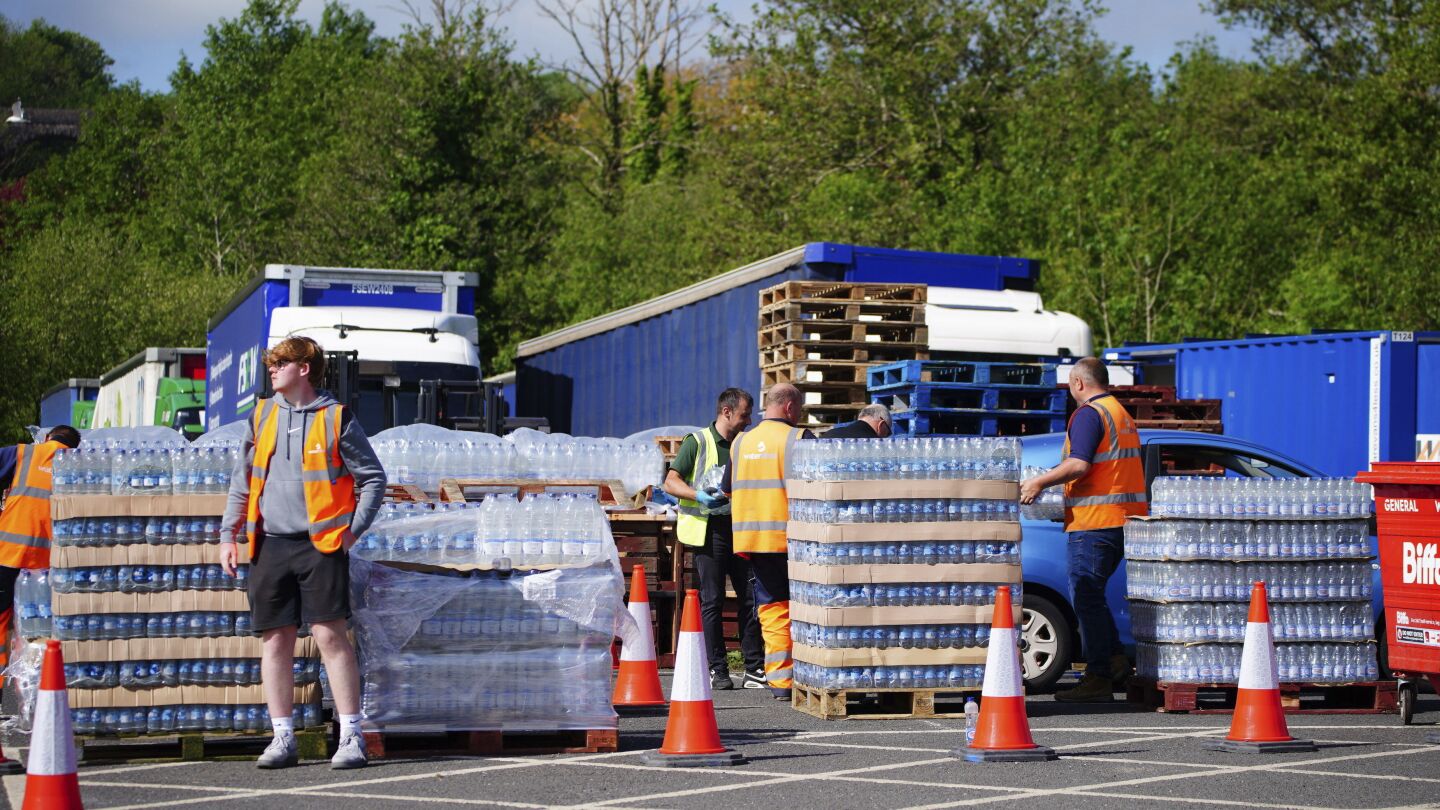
(704, 526)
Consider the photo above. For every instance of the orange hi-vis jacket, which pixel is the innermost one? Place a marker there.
(329, 487)
(759, 509)
(1114, 488)
(25, 529)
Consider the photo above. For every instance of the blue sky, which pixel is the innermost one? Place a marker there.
(146, 37)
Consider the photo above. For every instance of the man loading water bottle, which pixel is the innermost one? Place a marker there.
(308, 483)
(1104, 484)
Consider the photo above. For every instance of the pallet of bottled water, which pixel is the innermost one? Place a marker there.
(425, 455)
(896, 550)
(1192, 564)
(541, 530)
(492, 649)
(158, 637)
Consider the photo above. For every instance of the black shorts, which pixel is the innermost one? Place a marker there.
(291, 582)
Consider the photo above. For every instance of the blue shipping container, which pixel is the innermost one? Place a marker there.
(1336, 401)
(664, 361)
(58, 404)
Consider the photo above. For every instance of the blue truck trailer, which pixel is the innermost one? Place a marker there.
(396, 327)
(1338, 400)
(663, 361)
(70, 402)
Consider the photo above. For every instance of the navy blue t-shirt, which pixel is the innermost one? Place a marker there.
(8, 457)
(1085, 431)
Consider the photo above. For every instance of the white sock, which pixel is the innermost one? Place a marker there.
(349, 724)
(284, 726)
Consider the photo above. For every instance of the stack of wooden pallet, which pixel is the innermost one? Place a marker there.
(823, 335)
(1156, 406)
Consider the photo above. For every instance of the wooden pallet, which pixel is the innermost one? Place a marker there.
(385, 744)
(609, 493)
(1131, 393)
(649, 541)
(840, 291)
(669, 446)
(839, 351)
(842, 332)
(1172, 424)
(811, 372)
(822, 310)
(1369, 697)
(195, 746)
(1180, 410)
(879, 704)
(405, 493)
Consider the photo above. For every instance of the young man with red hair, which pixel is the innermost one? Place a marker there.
(307, 485)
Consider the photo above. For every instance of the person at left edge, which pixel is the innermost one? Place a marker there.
(704, 526)
(308, 483)
(25, 528)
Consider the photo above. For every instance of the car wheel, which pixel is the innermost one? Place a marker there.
(1045, 642)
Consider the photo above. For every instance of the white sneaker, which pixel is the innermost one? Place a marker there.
(282, 752)
(350, 753)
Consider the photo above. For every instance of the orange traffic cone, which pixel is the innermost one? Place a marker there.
(52, 783)
(1003, 733)
(638, 683)
(692, 738)
(1258, 726)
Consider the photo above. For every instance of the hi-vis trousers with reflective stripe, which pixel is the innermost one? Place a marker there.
(772, 606)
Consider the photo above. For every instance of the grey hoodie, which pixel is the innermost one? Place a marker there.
(282, 504)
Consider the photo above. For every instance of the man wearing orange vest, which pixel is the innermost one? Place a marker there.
(1104, 485)
(25, 522)
(759, 511)
(308, 484)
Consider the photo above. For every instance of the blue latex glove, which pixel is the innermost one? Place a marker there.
(707, 500)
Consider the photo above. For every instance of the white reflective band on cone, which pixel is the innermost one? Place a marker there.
(692, 675)
(52, 743)
(1002, 666)
(1258, 668)
(644, 647)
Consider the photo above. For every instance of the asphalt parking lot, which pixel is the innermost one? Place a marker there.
(1110, 755)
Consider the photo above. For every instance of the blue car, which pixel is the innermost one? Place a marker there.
(1050, 635)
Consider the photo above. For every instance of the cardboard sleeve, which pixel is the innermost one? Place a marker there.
(875, 616)
(893, 656)
(166, 649)
(884, 490)
(63, 507)
(135, 554)
(865, 574)
(122, 697)
(1005, 531)
(77, 604)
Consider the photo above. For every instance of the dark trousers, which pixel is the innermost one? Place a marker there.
(1094, 556)
(713, 563)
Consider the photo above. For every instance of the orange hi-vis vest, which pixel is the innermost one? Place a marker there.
(759, 509)
(329, 487)
(1114, 488)
(25, 524)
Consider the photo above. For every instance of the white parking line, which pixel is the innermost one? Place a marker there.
(1082, 789)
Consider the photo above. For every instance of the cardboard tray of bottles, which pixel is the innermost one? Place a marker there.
(188, 648)
(894, 573)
